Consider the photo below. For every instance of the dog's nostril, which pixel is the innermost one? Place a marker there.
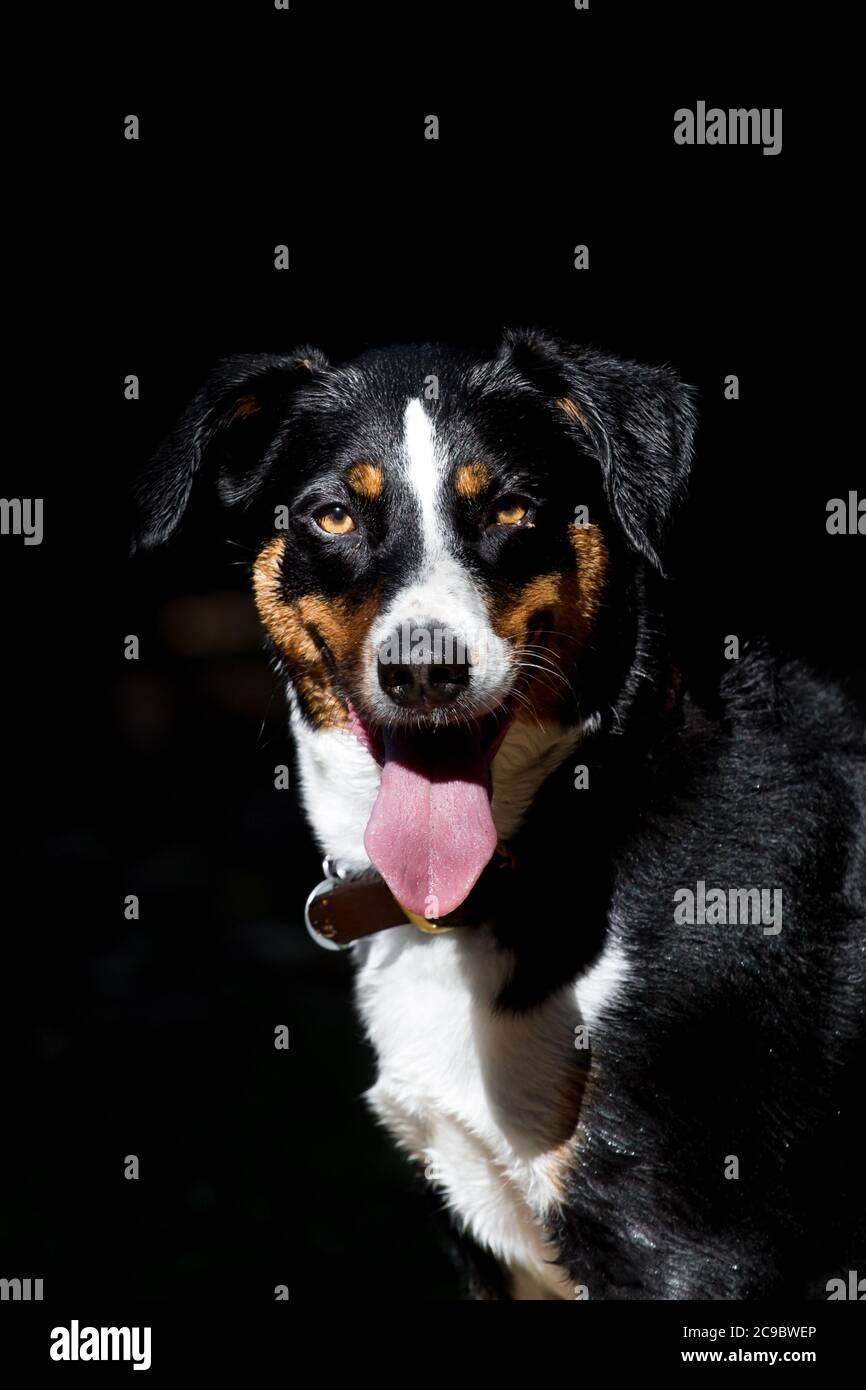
(391, 675)
(455, 673)
(429, 669)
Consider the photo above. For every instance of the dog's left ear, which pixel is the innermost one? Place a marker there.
(640, 423)
(224, 434)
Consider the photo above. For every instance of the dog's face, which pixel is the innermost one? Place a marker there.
(437, 539)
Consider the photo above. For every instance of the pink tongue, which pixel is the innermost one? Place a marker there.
(431, 832)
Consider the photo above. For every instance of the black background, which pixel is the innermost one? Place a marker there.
(257, 128)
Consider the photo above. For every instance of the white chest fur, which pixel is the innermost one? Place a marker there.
(487, 1101)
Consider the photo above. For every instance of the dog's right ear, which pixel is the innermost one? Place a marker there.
(224, 433)
(639, 421)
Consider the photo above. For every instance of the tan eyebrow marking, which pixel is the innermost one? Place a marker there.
(471, 479)
(245, 405)
(366, 479)
(573, 411)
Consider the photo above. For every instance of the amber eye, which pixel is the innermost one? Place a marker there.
(510, 512)
(336, 521)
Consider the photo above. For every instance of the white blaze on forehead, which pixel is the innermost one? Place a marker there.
(424, 471)
(439, 590)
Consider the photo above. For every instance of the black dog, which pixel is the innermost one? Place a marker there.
(610, 938)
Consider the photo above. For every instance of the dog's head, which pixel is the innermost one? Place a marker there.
(439, 536)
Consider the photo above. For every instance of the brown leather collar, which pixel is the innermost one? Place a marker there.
(341, 911)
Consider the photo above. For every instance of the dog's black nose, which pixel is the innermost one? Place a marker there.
(426, 666)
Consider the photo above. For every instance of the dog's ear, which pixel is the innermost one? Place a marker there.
(224, 433)
(640, 423)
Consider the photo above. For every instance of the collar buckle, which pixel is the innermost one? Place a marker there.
(333, 875)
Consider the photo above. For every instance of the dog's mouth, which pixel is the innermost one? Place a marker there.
(431, 831)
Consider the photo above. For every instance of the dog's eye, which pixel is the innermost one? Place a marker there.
(510, 511)
(335, 520)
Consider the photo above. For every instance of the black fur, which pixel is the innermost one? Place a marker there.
(728, 1042)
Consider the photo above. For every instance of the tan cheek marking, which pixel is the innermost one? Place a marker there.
(471, 479)
(573, 411)
(512, 618)
(291, 625)
(572, 602)
(593, 559)
(366, 479)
